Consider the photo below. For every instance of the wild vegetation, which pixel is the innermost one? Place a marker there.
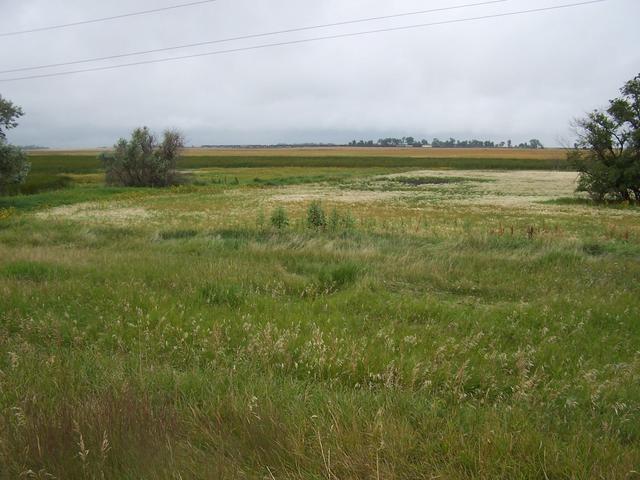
(533, 144)
(14, 166)
(608, 151)
(358, 317)
(53, 170)
(142, 161)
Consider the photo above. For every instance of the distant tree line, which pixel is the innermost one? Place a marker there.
(273, 145)
(534, 143)
(394, 142)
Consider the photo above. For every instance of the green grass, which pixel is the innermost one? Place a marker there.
(55, 198)
(40, 182)
(56, 164)
(443, 341)
(90, 164)
(51, 171)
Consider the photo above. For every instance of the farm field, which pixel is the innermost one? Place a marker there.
(351, 152)
(463, 315)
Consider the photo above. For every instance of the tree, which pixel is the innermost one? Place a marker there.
(9, 114)
(535, 143)
(142, 161)
(607, 153)
(14, 166)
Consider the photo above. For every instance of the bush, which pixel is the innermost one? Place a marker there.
(14, 166)
(142, 161)
(315, 216)
(279, 218)
(339, 221)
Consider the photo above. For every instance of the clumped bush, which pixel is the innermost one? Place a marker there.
(316, 217)
(279, 218)
(340, 221)
(142, 161)
(14, 166)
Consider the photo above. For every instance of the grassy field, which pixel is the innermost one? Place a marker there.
(458, 318)
(351, 152)
(53, 169)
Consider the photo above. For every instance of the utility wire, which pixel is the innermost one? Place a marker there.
(253, 36)
(104, 19)
(308, 40)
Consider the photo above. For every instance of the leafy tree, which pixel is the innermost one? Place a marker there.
(9, 114)
(14, 166)
(535, 143)
(142, 161)
(608, 148)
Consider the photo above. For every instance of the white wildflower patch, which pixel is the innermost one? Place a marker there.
(110, 213)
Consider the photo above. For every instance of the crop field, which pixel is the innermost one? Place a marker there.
(350, 152)
(462, 315)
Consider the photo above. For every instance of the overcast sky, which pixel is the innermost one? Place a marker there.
(517, 77)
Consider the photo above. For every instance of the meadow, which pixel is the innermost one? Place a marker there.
(462, 315)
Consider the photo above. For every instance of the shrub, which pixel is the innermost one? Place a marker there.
(315, 216)
(279, 218)
(14, 166)
(339, 221)
(142, 161)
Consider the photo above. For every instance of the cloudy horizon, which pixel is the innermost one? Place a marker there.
(518, 77)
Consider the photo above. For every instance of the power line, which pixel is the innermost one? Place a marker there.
(307, 40)
(104, 19)
(253, 36)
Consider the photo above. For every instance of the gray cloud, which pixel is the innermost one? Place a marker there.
(516, 77)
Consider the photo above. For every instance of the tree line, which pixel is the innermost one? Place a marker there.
(534, 143)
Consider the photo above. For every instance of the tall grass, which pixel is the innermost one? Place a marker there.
(397, 342)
